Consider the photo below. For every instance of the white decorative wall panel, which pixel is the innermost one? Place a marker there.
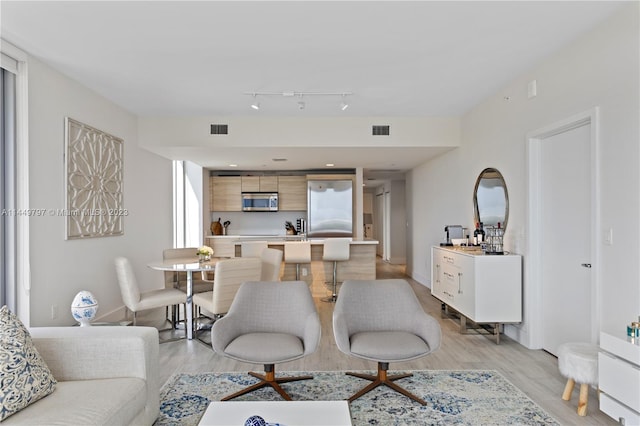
(94, 162)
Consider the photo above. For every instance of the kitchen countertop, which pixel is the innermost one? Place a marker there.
(275, 239)
(473, 251)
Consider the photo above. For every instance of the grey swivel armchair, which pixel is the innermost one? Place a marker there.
(383, 321)
(268, 323)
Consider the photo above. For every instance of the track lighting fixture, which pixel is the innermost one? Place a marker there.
(343, 105)
(301, 103)
(255, 104)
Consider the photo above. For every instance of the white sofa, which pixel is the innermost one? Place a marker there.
(106, 376)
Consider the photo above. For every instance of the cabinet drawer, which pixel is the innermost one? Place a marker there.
(449, 259)
(622, 414)
(449, 282)
(619, 379)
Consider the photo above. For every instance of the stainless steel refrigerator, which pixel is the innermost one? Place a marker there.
(330, 208)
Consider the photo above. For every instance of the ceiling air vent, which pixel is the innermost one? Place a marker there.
(380, 130)
(219, 129)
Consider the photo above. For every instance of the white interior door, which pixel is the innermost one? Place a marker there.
(566, 237)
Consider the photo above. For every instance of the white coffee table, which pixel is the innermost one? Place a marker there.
(286, 413)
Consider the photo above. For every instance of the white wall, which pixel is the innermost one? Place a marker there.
(60, 268)
(257, 223)
(159, 132)
(600, 69)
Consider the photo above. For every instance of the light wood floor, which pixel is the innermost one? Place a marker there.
(535, 372)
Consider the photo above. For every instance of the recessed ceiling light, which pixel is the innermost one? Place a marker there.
(233, 165)
(329, 164)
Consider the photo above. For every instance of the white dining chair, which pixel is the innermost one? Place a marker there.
(136, 301)
(252, 248)
(179, 279)
(229, 275)
(271, 262)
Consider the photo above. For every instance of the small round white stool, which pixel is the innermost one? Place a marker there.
(579, 363)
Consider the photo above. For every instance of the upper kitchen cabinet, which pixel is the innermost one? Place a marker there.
(225, 193)
(292, 193)
(259, 183)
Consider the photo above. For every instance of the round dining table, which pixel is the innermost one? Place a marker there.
(188, 265)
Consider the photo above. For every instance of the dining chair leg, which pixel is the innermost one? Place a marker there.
(185, 319)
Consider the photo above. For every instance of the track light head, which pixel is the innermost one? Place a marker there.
(343, 105)
(301, 103)
(255, 104)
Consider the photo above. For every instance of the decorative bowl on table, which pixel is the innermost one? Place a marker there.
(84, 308)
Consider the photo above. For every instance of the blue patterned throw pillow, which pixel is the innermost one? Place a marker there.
(24, 376)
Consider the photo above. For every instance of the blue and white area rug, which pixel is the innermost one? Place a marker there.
(464, 397)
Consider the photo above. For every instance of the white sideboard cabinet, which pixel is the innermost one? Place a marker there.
(486, 289)
(619, 377)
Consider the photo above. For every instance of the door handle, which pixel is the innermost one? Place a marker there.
(586, 265)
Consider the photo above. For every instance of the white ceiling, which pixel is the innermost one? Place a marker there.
(414, 58)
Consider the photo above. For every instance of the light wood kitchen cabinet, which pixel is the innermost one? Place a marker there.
(259, 183)
(486, 289)
(292, 193)
(225, 193)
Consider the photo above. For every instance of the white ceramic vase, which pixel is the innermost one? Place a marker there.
(84, 308)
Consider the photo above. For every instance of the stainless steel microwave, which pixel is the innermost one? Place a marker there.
(260, 201)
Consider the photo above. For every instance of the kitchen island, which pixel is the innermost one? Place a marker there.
(361, 263)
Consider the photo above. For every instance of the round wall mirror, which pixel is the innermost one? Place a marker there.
(490, 199)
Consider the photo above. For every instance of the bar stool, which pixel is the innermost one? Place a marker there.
(335, 250)
(297, 252)
(252, 248)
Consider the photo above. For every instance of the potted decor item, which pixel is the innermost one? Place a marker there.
(291, 230)
(84, 308)
(204, 253)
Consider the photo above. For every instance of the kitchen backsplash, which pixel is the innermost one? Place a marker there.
(256, 223)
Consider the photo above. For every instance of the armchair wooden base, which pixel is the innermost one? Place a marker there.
(383, 379)
(268, 379)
